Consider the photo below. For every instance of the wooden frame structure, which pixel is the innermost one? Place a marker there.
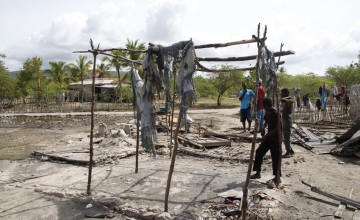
(260, 45)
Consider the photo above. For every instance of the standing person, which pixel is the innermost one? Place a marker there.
(287, 107)
(269, 141)
(260, 106)
(245, 97)
(323, 96)
(298, 104)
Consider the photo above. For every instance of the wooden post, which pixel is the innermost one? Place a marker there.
(92, 118)
(247, 181)
(277, 180)
(137, 139)
(172, 165)
(138, 115)
(172, 109)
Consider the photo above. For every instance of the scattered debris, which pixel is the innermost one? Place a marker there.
(348, 148)
(342, 199)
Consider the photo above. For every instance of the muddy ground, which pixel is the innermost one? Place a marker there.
(38, 188)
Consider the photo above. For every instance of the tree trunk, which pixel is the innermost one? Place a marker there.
(218, 101)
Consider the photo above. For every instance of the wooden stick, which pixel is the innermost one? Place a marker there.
(172, 108)
(279, 124)
(216, 157)
(342, 199)
(228, 136)
(205, 69)
(92, 117)
(252, 152)
(123, 58)
(245, 58)
(340, 210)
(181, 138)
(137, 139)
(58, 158)
(172, 165)
(111, 49)
(216, 45)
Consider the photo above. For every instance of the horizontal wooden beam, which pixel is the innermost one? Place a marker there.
(122, 58)
(245, 58)
(205, 69)
(216, 45)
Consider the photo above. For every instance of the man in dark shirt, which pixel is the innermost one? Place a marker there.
(269, 141)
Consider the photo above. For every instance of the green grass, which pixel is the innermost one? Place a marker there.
(205, 103)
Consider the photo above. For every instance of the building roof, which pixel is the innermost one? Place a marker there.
(98, 81)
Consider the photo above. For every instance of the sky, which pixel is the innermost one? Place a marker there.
(322, 33)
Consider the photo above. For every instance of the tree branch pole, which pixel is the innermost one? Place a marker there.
(137, 139)
(172, 108)
(247, 181)
(216, 45)
(280, 127)
(245, 58)
(107, 54)
(92, 117)
(172, 165)
(205, 69)
(136, 109)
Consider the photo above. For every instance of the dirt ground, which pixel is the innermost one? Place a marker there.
(38, 188)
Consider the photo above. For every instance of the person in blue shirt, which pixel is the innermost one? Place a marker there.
(245, 97)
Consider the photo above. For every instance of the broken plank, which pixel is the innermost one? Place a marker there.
(205, 141)
(341, 208)
(184, 139)
(199, 154)
(228, 136)
(342, 199)
(213, 142)
(58, 158)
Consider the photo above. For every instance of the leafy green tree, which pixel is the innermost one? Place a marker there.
(344, 76)
(223, 81)
(117, 62)
(104, 70)
(8, 87)
(204, 88)
(309, 83)
(80, 70)
(31, 80)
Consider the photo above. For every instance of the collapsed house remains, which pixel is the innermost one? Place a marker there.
(161, 64)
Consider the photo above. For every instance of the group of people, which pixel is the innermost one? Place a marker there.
(268, 118)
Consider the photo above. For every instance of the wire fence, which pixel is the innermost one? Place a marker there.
(31, 106)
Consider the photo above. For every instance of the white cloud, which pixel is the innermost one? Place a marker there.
(163, 21)
(321, 35)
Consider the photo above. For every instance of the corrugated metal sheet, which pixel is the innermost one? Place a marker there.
(97, 81)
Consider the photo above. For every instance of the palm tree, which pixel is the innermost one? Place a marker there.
(135, 45)
(81, 69)
(59, 76)
(104, 70)
(58, 72)
(117, 63)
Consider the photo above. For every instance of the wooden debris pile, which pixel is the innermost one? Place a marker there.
(349, 142)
